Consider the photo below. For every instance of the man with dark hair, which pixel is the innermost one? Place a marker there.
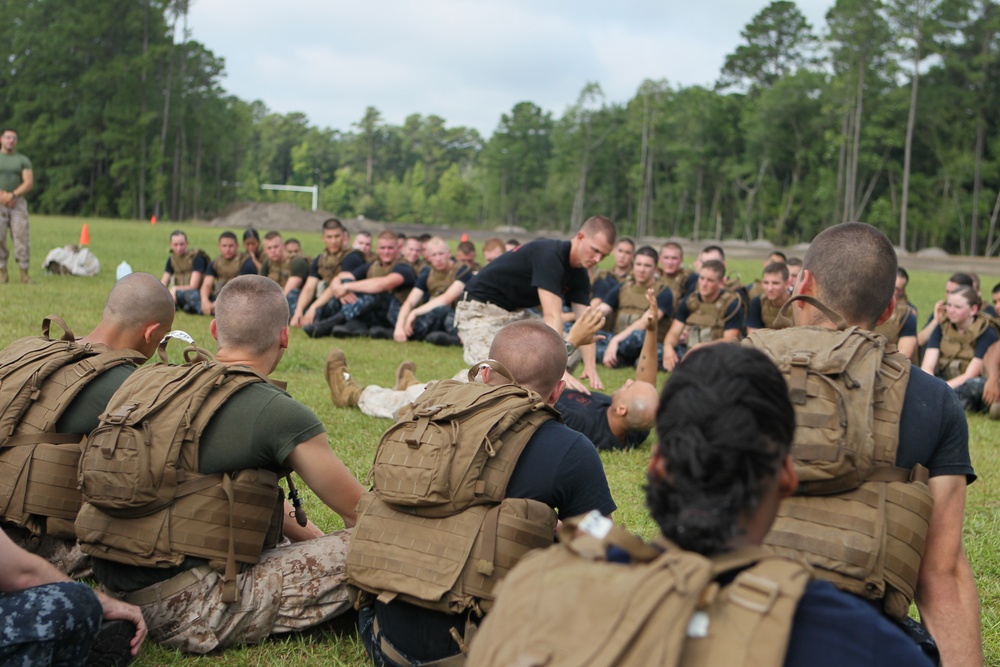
(717, 474)
(185, 268)
(322, 271)
(764, 308)
(625, 305)
(708, 315)
(221, 270)
(16, 180)
(557, 467)
(540, 274)
(290, 587)
(851, 269)
(512, 244)
(290, 274)
(901, 327)
(465, 254)
(757, 287)
(371, 294)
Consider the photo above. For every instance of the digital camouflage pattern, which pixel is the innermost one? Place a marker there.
(48, 625)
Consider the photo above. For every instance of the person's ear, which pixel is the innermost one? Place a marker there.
(556, 392)
(151, 333)
(284, 338)
(887, 313)
(213, 327)
(788, 479)
(485, 372)
(657, 464)
(806, 285)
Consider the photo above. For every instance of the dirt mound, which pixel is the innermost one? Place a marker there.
(264, 217)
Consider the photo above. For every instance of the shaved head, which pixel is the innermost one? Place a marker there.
(250, 314)
(533, 353)
(138, 300)
(640, 400)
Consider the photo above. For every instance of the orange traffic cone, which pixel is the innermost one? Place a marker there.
(85, 235)
(465, 237)
(152, 219)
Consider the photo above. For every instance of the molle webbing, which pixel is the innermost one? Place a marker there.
(707, 321)
(893, 326)
(439, 281)
(279, 272)
(769, 313)
(958, 348)
(328, 265)
(146, 503)
(676, 285)
(225, 270)
(183, 266)
(859, 520)
(39, 378)
(632, 304)
(437, 530)
(567, 606)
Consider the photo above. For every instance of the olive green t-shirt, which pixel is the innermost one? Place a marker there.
(11, 167)
(83, 414)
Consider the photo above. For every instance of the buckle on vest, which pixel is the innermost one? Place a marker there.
(122, 414)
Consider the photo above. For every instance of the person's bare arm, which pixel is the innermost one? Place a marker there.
(23, 570)
(670, 344)
(973, 370)
(551, 304)
(378, 285)
(946, 591)
(165, 278)
(293, 531)
(991, 367)
(293, 282)
(589, 355)
(404, 323)
(924, 334)
(907, 346)
(305, 299)
(586, 326)
(446, 298)
(645, 367)
(327, 476)
(207, 306)
(9, 199)
(931, 356)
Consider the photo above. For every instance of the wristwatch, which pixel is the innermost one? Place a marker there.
(569, 348)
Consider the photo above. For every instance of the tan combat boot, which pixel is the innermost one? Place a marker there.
(344, 391)
(405, 376)
(3, 275)
(24, 277)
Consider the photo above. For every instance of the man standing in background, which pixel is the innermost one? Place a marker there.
(16, 180)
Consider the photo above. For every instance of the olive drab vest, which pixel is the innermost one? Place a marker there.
(860, 521)
(632, 304)
(568, 606)
(279, 272)
(183, 266)
(439, 281)
(958, 348)
(769, 314)
(893, 326)
(145, 503)
(378, 270)
(707, 321)
(437, 530)
(225, 270)
(329, 265)
(39, 378)
(676, 284)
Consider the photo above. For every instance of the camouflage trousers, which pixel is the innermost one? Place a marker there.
(16, 220)
(64, 554)
(52, 624)
(477, 323)
(290, 589)
(385, 403)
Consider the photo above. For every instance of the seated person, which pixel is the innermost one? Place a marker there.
(708, 315)
(419, 318)
(671, 269)
(290, 274)
(493, 248)
(602, 281)
(764, 308)
(720, 469)
(938, 315)
(757, 287)
(185, 268)
(901, 327)
(221, 270)
(465, 254)
(322, 270)
(253, 253)
(957, 346)
(625, 304)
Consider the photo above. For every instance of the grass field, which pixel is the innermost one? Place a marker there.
(353, 435)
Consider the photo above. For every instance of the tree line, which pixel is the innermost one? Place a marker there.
(888, 113)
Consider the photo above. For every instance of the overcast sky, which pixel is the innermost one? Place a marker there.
(467, 61)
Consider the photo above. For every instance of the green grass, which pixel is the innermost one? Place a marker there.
(353, 436)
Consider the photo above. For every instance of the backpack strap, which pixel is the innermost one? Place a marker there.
(495, 366)
(831, 314)
(161, 349)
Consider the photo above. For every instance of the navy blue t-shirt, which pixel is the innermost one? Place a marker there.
(589, 415)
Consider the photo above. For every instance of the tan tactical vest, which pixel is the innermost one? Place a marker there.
(707, 321)
(225, 270)
(145, 503)
(676, 284)
(39, 378)
(439, 281)
(856, 517)
(568, 606)
(377, 270)
(958, 348)
(632, 304)
(183, 266)
(279, 272)
(893, 326)
(328, 265)
(436, 530)
(769, 314)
